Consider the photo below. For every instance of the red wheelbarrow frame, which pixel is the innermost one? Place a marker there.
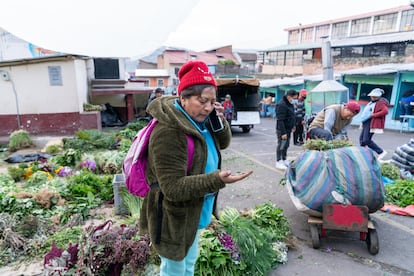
(341, 217)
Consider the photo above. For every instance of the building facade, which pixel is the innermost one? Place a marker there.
(385, 36)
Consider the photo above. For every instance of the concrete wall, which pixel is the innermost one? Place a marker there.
(41, 107)
(34, 92)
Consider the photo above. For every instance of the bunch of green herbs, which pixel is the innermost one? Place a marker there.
(400, 193)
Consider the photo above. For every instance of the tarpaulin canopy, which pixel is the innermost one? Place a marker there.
(234, 81)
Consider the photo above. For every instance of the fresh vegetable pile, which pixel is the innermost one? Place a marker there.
(44, 205)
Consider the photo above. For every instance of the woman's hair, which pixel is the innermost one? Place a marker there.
(292, 93)
(194, 90)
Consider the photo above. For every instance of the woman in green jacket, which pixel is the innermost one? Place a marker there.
(182, 202)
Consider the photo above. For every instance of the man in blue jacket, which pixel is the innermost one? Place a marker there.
(285, 123)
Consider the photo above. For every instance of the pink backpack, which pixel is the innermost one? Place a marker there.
(135, 162)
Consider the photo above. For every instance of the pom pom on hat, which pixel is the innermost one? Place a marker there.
(192, 73)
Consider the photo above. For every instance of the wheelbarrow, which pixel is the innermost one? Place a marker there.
(341, 217)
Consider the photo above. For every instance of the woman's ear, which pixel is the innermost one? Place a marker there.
(183, 101)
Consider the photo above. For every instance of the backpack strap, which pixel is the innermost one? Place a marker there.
(190, 151)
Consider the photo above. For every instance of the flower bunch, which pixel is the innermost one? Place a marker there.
(228, 243)
(89, 164)
(63, 171)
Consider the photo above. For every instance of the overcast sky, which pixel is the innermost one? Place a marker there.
(132, 28)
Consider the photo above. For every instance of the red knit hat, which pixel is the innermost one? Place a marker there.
(192, 73)
(303, 92)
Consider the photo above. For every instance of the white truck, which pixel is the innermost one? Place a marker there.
(244, 92)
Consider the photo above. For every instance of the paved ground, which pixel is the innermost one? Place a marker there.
(340, 253)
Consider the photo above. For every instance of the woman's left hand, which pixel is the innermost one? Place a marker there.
(227, 177)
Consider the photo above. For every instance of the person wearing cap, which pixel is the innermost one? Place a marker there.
(373, 121)
(228, 106)
(182, 202)
(158, 93)
(333, 121)
(300, 116)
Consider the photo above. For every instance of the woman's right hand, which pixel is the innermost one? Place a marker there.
(227, 177)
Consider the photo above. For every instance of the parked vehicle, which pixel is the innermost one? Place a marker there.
(244, 92)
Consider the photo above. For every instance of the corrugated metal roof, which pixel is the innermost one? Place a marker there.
(382, 69)
(374, 39)
(294, 81)
(350, 41)
(280, 81)
(151, 73)
(294, 47)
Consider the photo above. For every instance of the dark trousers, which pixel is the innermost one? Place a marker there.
(406, 109)
(298, 134)
(365, 138)
(320, 133)
(282, 146)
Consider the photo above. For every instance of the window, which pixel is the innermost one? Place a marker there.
(407, 21)
(347, 52)
(160, 82)
(398, 49)
(280, 58)
(307, 35)
(275, 58)
(377, 50)
(340, 30)
(106, 68)
(294, 58)
(55, 75)
(385, 23)
(360, 26)
(321, 31)
(294, 37)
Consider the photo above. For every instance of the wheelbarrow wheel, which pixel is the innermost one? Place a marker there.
(314, 235)
(372, 240)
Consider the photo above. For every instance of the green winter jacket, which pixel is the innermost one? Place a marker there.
(182, 194)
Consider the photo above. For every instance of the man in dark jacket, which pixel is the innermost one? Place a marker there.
(285, 116)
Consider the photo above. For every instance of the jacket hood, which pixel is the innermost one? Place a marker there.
(166, 113)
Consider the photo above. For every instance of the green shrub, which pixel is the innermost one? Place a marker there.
(89, 140)
(53, 149)
(401, 193)
(19, 139)
(17, 173)
(136, 126)
(390, 171)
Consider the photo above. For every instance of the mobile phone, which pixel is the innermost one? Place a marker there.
(216, 123)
